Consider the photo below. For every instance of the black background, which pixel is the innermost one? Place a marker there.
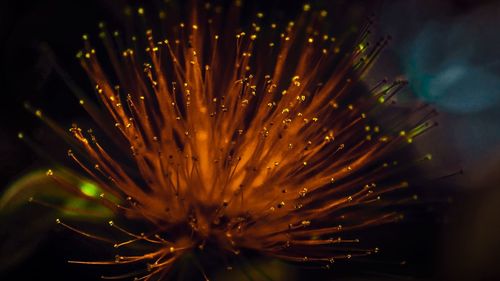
(26, 76)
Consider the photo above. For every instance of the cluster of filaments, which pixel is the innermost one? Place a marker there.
(240, 142)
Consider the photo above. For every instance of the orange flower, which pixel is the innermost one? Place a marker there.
(256, 140)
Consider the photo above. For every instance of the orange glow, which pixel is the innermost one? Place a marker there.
(247, 140)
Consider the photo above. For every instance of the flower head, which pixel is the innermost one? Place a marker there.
(256, 139)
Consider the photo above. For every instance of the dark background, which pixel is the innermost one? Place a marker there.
(447, 243)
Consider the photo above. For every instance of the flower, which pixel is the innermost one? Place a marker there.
(256, 140)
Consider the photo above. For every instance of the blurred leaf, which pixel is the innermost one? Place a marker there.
(23, 225)
(259, 270)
